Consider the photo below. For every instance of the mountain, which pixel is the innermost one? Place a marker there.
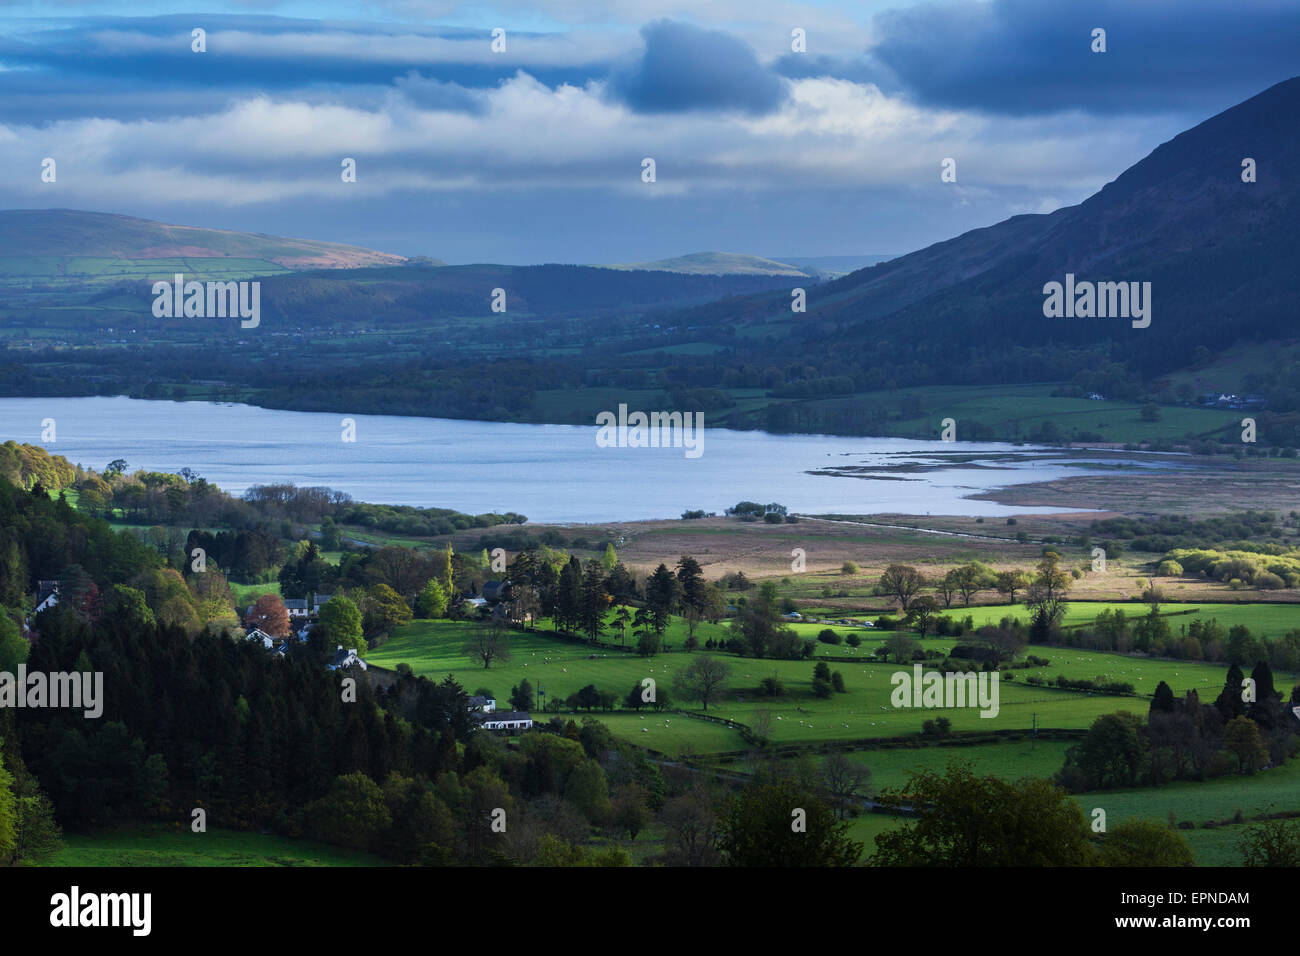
(716, 263)
(1221, 254)
(832, 267)
(70, 233)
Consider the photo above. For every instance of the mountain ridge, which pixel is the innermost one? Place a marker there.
(74, 233)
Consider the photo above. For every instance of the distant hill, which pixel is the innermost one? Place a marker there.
(70, 233)
(717, 264)
(833, 266)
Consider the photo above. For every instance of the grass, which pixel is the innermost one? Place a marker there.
(163, 845)
(1265, 620)
(1013, 412)
(1272, 790)
(674, 735)
(1011, 760)
(560, 668)
(245, 593)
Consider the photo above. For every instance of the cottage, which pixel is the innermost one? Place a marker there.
(484, 705)
(257, 634)
(318, 602)
(346, 659)
(495, 590)
(297, 607)
(47, 599)
(507, 720)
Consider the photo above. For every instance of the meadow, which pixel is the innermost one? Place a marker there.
(175, 845)
(864, 711)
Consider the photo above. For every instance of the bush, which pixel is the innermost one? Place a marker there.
(771, 687)
(837, 682)
(1268, 581)
(1169, 569)
(853, 640)
(848, 567)
(828, 636)
(822, 688)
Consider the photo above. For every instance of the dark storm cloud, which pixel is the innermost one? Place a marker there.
(1034, 56)
(684, 68)
(142, 67)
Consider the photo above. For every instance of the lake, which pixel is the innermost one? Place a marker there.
(551, 473)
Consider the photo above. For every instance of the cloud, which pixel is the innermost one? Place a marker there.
(1034, 56)
(431, 94)
(140, 64)
(433, 137)
(778, 151)
(684, 67)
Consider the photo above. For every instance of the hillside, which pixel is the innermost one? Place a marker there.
(70, 233)
(1220, 253)
(716, 263)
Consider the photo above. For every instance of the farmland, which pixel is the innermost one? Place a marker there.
(176, 845)
(560, 668)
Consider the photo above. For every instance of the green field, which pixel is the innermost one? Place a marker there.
(1274, 790)
(246, 592)
(1011, 760)
(560, 668)
(175, 845)
(1013, 412)
(1264, 620)
(17, 274)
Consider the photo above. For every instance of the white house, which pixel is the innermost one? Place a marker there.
(346, 659)
(257, 634)
(507, 720)
(47, 594)
(484, 704)
(297, 608)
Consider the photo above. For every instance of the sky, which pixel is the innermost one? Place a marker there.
(777, 129)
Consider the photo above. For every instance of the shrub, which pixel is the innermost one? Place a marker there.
(853, 640)
(848, 567)
(1268, 581)
(822, 688)
(828, 636)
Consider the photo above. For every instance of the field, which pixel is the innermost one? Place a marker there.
(560, 668)
(1020, 411)
(1213, 801)
(1265, 620)
(160, 845)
